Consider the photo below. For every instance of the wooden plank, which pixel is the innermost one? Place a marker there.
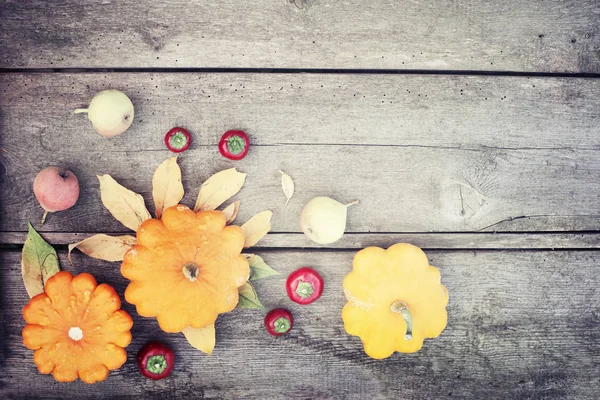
(523, 324)
(410, 194)
(429, 241)
(536, 35)
(477, 113)
(527, 162)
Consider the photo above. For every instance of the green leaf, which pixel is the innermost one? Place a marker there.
(249, 298)
(39, 262)
(259, 268)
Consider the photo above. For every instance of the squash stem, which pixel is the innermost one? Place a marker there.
(76, 333)
(190, 270)
(400, 307)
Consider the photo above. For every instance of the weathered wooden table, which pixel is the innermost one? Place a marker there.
(468, 128)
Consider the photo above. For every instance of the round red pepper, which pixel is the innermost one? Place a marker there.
(304, 285)
(279, 321)
(178, 139)
(155, 360)
(234, 145)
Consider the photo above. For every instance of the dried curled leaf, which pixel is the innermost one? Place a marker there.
(248, 298)
(203, 339)
(167, 189)
(219, 188)
(259, 268)
(288, 186)
(231, 211)
(104, 247)
(257, 227)
(39, 262)
(126, 206)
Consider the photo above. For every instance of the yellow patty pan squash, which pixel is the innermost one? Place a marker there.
(395, 300)
(186, 268)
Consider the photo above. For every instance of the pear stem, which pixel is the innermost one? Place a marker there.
(44, 217)
(352, 203)
(80, 111)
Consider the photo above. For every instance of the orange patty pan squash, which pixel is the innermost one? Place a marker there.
(186, 268)
(77, 328)
(395, 300)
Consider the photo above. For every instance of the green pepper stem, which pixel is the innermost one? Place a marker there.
(178, 140)
(305, 289)
(157, 364)
(281, 325)
(400, 307)
(235, 144)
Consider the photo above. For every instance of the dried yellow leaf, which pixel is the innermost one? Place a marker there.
(257, 227)
(167, 189)
(288, 186)
(203, 339)
(126, 206)
(231, 211)
(104, 247)
(219, 188)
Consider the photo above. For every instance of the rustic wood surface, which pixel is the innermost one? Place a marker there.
(525, 159)
(520, 325)
(511, 35)
(467, 128)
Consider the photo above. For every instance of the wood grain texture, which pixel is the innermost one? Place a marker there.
(521, 325)
(355, 241)
(454, 161)
(533, 35)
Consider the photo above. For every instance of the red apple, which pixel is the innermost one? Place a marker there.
(56, 189)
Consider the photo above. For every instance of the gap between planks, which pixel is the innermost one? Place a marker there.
(415, 34)
(319, 71)
(354, 241)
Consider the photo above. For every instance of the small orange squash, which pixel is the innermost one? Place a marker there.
(186, 268)
(77, 328)
(395, 300)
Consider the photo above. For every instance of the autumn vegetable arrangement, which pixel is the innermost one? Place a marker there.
(196, 253)
(186, 268)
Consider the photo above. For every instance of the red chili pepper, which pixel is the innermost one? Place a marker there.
(279, 321)
(304, 285)
(234, 145)
(155, 360)
(178, 139)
